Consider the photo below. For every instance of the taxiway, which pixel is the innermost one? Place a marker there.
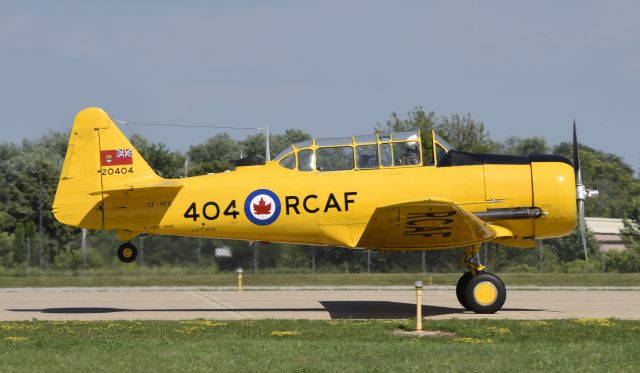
(157, 303)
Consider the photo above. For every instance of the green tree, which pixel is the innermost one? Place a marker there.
(254, 145)
(524, 146)
(25, 235)
(8, 150)
(7, 252)
(166, 163)
(570, 248)
(29, 177)
(609, 174)
(217, 154)
(627, 260)
(462, 132)
(465, 133)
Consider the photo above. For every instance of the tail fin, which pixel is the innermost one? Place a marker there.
(99, 160)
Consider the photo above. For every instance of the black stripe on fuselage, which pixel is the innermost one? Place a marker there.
(458, 158)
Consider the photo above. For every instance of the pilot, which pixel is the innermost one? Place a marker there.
(366, 161)
(412, 155)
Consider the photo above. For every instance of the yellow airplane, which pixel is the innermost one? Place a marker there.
(356, 192)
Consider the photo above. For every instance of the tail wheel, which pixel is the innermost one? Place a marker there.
(461, 288)
(127, 252)
(485, 293)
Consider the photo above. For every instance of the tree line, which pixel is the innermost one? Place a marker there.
(30, 236)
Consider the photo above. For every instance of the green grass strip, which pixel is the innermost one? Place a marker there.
(585, 345)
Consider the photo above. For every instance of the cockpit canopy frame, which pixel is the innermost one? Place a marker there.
(440, 148)
(364, 152)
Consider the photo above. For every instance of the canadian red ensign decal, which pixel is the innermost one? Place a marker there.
(116, 157)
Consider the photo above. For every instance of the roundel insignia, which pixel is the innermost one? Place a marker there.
(262, 207)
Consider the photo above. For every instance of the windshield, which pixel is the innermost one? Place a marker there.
(443, 142)
(286, 151)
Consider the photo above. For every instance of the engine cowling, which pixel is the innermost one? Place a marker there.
(554, 191)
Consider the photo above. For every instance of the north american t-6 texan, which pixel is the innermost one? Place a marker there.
(370, 191)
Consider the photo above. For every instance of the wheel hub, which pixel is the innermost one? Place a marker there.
(485, 293)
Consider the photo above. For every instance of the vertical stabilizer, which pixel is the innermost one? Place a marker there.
(99, 157)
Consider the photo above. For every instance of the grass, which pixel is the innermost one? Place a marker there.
(183, 277)
(585, 345)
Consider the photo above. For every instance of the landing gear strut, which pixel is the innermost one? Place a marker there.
(477, 290)
(127, 252)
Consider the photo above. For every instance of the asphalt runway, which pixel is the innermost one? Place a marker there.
(324, 304)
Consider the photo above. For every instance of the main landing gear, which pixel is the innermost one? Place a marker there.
(477, 290)
(127, 252)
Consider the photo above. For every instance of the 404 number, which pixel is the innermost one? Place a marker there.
(210, 211)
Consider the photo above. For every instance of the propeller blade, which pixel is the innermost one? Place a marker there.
(581, 193)
(583, 228)
(576, 156)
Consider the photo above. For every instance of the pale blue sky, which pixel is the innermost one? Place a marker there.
(332, 68)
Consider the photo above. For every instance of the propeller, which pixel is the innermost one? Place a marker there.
(582, 193)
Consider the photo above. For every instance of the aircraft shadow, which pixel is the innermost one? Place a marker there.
(381, 310)
(88, 310)
(392, 310)
(337, 310)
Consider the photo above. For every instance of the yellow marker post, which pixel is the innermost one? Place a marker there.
(418, 286)
(239, 272)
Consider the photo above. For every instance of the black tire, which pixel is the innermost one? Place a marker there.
(461, 288)
(480, 293)
(127, 252)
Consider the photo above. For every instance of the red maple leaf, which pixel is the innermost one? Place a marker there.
(262, 208)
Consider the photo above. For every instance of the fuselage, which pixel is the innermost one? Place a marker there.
(333, 208)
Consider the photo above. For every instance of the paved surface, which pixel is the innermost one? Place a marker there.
(385, 303)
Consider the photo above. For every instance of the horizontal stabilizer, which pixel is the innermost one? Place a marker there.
(162, 186)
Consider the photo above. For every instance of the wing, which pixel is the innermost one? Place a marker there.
(424, 225)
